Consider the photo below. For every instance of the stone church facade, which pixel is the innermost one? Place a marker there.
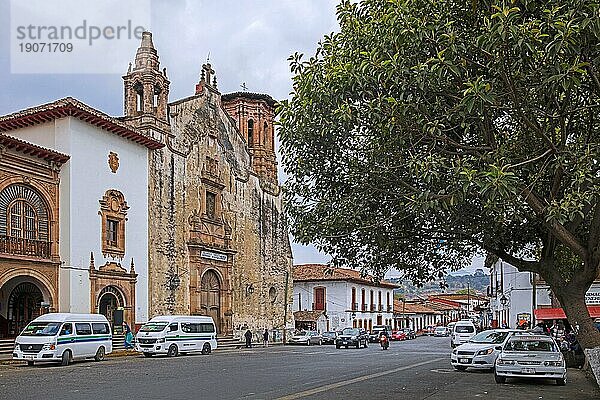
(218, 243)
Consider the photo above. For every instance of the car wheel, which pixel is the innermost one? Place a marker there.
(320, 342)
(337, 346)
(173, 351)
(499, 379)
(358, 344)
(308, 342)
(66, 358)
(148, 355)
(99, 354)
(366, 344)
(562, 381)
(206, 349)
(30, 363)
(460, 368)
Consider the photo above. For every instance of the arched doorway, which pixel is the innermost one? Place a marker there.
(24, 304)
(210, 296)
(110, 300)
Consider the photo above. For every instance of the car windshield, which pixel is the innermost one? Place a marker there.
(440, 329)
(464, 329)
(41, 329)
(329, 334)
(350, 332)
(489, 337)
(153, 327)
(530, 345)
(302, 333)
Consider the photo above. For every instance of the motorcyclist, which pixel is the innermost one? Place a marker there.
(384, 339)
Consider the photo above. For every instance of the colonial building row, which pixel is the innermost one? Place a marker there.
(327, 298)
(172, 208)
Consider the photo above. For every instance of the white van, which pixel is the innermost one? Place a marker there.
(174, 334)
(63, 337)
(462, 332)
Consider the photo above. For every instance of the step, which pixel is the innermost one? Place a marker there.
(6, 348)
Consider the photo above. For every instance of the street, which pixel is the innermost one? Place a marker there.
(416, 369)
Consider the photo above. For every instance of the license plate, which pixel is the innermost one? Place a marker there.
(528, 371)
(28, 357)
(463, 360)
(145, 350)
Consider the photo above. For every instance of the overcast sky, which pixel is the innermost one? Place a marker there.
(248, 41)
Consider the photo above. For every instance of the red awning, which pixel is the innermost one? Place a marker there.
(558, 313)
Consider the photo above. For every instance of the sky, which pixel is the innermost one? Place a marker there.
(246, 41)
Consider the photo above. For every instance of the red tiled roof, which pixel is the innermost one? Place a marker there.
(460, 297)
(322, 272)
(70, 107)
(32, 149)
(412, 308)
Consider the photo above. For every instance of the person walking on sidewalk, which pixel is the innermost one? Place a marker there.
(266, 338)
(248, 336)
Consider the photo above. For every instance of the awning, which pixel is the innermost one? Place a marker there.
(558, 313)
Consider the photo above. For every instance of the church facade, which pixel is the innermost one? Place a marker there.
(218, 240)
(173, 208)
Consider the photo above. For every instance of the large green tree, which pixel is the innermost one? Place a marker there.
(426, 131)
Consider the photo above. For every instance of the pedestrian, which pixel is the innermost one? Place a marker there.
(248, 336)
(127, 343)
(266, 338)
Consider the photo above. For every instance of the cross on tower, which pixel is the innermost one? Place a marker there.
(207, 72)
(244, 87)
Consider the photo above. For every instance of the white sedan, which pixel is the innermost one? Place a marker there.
(481, 350)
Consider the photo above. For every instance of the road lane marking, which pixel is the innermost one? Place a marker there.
(347, 382)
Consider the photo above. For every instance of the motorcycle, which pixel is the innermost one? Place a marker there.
(385, 342)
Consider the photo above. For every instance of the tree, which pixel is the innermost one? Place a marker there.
(427, 131)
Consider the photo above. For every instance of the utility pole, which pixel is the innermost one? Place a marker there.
(468, 297)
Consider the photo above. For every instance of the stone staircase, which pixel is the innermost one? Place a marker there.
(6, 348)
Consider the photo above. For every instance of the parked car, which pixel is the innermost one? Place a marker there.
(481, 351)
(429, 330)
(530, 356)
(410, 334)
(441, 331)
(329, 337)
(352, 337)
(174, 334)
(307, 338)
(398, 335)
(463, 331)
(64, 337)
(376, 332)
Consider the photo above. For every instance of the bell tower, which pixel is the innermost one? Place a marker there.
(254, 114)
(147, 91)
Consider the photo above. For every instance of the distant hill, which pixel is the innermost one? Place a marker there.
(478, 282)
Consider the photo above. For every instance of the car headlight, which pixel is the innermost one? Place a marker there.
(17, 348)
(485, 352)
(161, 340)
(49, 346)
(553, 363)
(506, 362)
(353, 338)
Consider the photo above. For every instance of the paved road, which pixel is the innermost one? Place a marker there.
(417, 369)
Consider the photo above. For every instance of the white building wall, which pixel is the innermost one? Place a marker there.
(338, 298)
(84, 180)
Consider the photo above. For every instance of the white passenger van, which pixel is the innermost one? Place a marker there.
(462, 332)
(174, 334)
(62, 337)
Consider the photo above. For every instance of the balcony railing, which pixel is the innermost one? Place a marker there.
(364, 307)
(24, 247)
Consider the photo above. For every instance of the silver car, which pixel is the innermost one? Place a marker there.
(481, 350)
(307, 338)
(531, 356)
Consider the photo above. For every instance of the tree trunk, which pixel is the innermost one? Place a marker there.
(572, 301)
